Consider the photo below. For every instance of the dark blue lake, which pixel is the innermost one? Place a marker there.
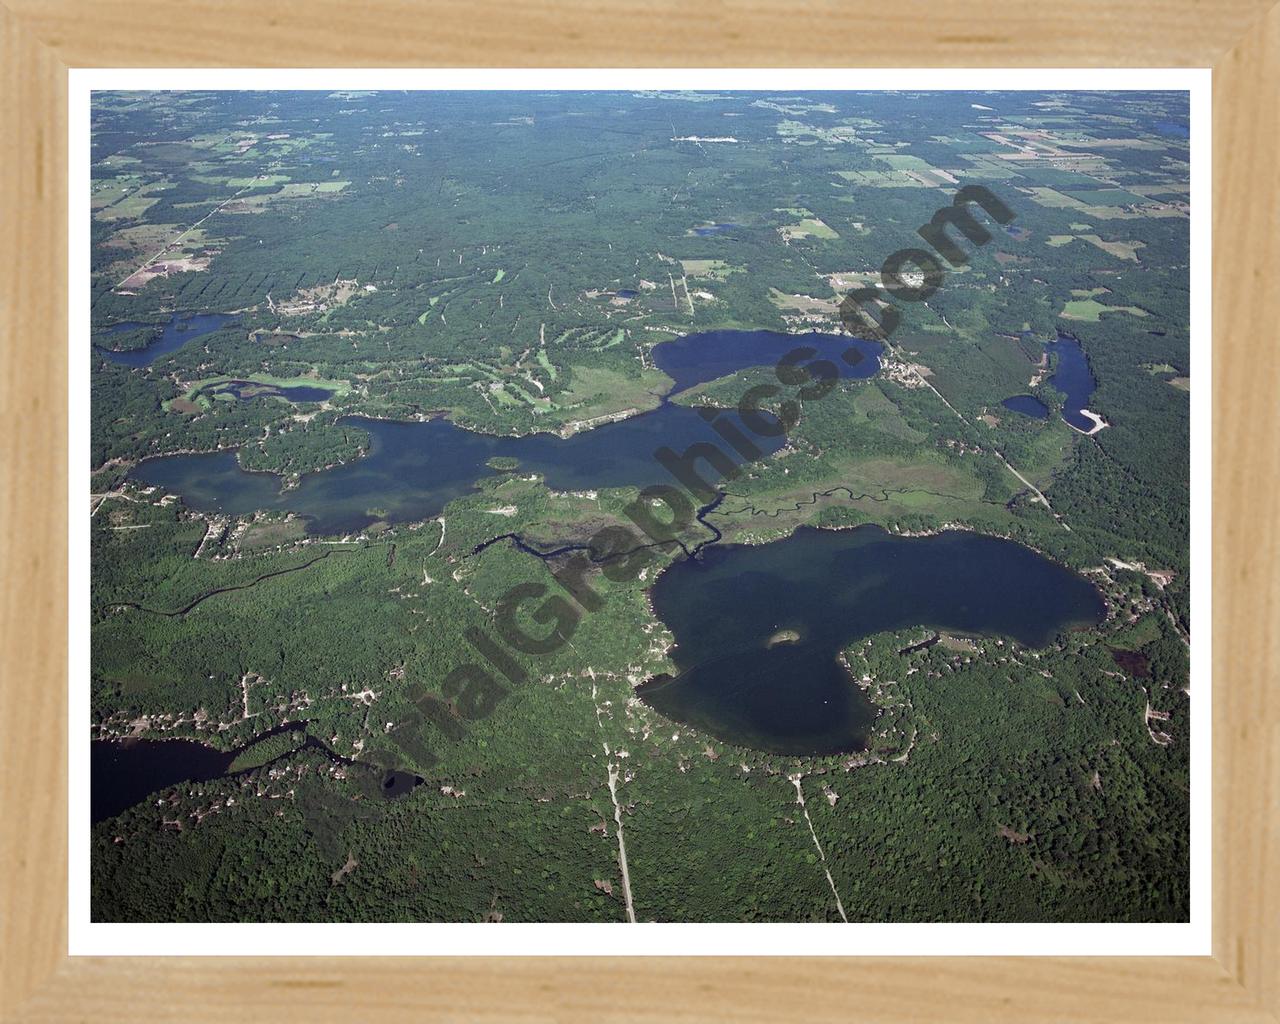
(414, 469)
(122, 773)
(831, 588)
(713, 229)
(177, 332)
(1028, 405)
(1073, 378)
(698, 358)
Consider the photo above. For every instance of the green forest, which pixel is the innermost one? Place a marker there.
(277, 276)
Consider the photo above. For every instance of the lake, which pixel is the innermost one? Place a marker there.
(177, 332)
(1074, 379)
(1028, 405)
(699, 358)
(413, 470)
(123, 773)
(829, 588)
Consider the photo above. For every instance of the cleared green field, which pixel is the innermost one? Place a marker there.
(903, 162)
(1106, 197)
(262, 180)
(1124, 250)
(111, 190)
(596, 390)
(809, 227)
(1092, 310)
(502, 396)
(881, 179)
(715, 270)
(133, 205)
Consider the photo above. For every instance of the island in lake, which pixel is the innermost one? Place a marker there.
(500, 510)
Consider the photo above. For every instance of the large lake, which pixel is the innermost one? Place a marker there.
(698, 358)
(414, 469)
(830, 588)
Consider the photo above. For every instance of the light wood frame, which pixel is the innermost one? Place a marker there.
(41, 39)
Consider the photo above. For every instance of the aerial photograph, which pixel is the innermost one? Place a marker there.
(639, 506)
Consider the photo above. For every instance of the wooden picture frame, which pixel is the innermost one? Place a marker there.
(42, 39)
